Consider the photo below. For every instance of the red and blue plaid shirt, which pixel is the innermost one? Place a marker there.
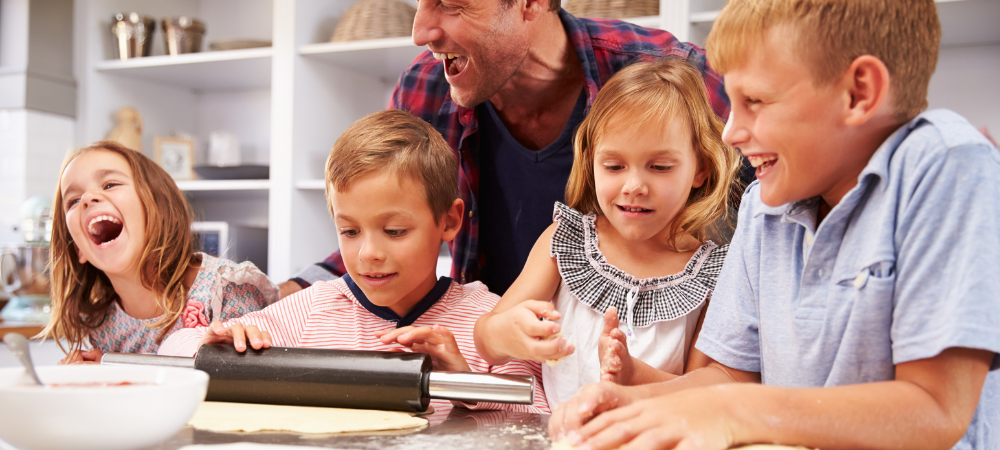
(603, 47)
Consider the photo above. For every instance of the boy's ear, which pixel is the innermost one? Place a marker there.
(867, 83)
(453, 220)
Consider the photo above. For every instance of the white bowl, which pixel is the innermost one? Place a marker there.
(106, 418)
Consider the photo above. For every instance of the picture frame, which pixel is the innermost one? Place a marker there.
(175, 155)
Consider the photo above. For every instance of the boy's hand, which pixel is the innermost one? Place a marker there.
(591, 400)
(612, 349)
(237, 335)
(691, 419)
(436, 341)
(92, 356)
(521, 333)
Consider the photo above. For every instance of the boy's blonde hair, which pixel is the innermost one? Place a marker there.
(82, 293)
(830, 34)
(651, 94)
(396, 141)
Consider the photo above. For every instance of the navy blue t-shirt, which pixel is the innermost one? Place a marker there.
(518, 188)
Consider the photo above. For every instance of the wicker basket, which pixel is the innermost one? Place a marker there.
(613, 9)
(375, 19)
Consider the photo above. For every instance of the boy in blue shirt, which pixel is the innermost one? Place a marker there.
(860, 300)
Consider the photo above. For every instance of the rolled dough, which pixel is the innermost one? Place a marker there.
(251, 417)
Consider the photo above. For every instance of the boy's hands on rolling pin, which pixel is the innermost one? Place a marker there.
(92, 356)
(237, 335)
(612, 349)
(436, 341)
(527, 331)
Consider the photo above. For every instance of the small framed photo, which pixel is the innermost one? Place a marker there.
(176, 156)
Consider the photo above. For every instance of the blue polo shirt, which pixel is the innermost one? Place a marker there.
(904, 267)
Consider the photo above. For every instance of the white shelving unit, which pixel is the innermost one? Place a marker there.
(288, 103)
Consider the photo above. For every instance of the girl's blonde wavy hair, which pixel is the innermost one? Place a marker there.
(81, 293)
(651, 94)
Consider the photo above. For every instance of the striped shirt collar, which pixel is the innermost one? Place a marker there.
(387, 314)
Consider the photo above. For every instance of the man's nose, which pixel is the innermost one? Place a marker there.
(426, 28)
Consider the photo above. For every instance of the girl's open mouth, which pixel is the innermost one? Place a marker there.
(104, 229)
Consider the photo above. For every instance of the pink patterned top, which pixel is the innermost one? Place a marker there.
(222, 290)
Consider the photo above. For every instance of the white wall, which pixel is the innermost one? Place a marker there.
(967, 81)
(32, 147)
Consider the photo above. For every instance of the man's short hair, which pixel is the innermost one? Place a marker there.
(830, 34)
(396, 141)
(554, 5)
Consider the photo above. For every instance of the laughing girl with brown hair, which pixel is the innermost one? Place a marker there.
(125, 273)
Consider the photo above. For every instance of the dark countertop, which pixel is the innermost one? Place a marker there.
(455, 429)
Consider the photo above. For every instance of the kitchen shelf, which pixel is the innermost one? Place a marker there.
(963, 22)
(223, 185)
(704, 17)
(381, 58)
(307, 185)
(219, 70)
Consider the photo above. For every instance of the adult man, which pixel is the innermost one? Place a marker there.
(507, 82)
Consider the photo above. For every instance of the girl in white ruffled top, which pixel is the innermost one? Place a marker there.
(625, 268)
(125, 273)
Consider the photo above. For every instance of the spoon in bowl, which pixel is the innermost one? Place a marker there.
(19, 347)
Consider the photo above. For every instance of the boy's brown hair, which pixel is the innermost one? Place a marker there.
(82, 293)
(650, 94)
(396, 141)
(830, 34)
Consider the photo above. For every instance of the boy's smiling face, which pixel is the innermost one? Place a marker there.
(790, 127)
(389, 239)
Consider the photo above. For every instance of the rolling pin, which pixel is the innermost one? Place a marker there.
(394, 381)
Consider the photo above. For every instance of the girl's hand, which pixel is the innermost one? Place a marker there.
(92, 356)
(436, 341)
(591, 400)
(612, 349)
(520, 332)
(237, 335)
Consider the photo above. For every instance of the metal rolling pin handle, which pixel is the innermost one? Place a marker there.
(337, 378)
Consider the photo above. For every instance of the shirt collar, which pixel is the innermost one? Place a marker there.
(387, 314)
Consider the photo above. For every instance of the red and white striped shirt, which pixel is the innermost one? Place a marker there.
(328, 315)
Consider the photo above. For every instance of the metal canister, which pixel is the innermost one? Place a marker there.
(133, 35)
(182, 34)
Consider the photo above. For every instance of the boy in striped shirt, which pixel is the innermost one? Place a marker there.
(392, 189)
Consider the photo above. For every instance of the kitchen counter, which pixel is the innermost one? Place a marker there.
(457, 428)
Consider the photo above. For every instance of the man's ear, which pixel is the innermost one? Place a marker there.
(452, 220)
(534, 9)
(867, 83)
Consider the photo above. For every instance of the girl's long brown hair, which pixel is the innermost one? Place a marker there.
(649, 94)
(81, 293)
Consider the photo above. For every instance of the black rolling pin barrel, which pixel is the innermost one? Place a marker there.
(394, 381)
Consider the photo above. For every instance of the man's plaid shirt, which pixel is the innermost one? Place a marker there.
(603, 47)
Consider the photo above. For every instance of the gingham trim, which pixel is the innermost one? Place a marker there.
(601, 285)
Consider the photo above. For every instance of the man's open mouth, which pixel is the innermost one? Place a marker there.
(104, 229)
(454, 63)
